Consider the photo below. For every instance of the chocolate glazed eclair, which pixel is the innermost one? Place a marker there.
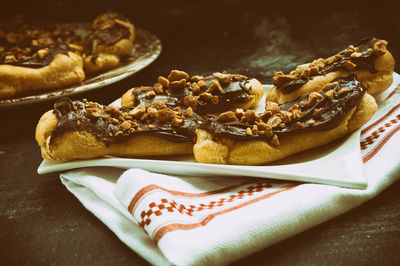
(369, 59)
(205, 95)
(312, 120)
(82, 130)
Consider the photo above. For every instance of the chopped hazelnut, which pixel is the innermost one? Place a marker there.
(93, 112)
(190, 101)
(215, 87)
(138, 111)
(10, 59)
(272, 107)
(343, 90)
(152, 112)
(159, 104)
(329, 86)
(163, 81)
(177, 75)
(355, 55)
(250, 116)
(265, 116)
(329, 94)
(313, 98)
(119, 132)
(293, 107)
(202, 84)
(222, 78)
(125, 125)
(165, 115)
(280, 79)
(158, 88)
(150, 95)
(287, 115)
(196, 78)
(274, 121)
(248, 131)
(206, 96)
(195, 88)
(42, 53)
(319, 63)
(188, 112)
(238, 77)
(178, 84)
(228, 116)
(177, 121)
(113, 111)
(349, 65)
(317, 113)
(314, 70)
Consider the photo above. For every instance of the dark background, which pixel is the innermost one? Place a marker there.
(42, 223)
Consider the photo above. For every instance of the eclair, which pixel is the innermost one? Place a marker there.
(369, 59)
(212, 94)
(34, 58)
(111, 39)
(311, 120)
(82, 130)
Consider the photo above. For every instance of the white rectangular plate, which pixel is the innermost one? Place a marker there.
(338, 163)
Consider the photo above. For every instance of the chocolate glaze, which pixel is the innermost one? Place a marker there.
(69, 113)
(107, 36)
(233, 93)
(365, 61)
(35, 62)
(335, 110)
(111, 35)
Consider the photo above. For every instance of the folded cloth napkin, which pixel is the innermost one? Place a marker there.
(217, 220)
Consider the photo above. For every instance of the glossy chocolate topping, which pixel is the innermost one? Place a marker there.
(231, 93)
(37, 62)
(363, 56)
(111, 35)
(318, 111)
(112, 124)
(364, 60)
(107, 31)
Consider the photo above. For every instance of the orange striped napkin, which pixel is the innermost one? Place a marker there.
(217, 220)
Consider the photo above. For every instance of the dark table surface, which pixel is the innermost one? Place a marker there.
(42, 223)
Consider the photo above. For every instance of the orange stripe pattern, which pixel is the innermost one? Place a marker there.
(159, 210)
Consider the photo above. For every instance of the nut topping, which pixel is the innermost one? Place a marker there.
(177, 75)
(227, 117)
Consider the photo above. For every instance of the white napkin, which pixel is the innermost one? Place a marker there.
(217, 220)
